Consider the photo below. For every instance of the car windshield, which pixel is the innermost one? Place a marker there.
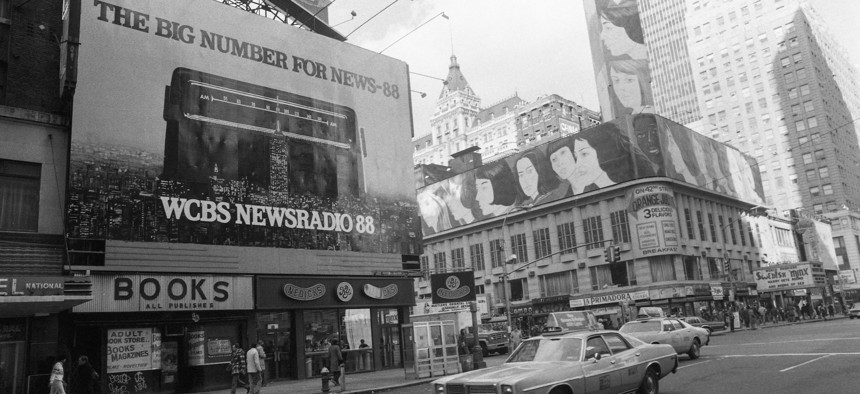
(639, 326)
(548, 349)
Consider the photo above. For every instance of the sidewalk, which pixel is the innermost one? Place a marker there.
(780, 324)
(369, 382)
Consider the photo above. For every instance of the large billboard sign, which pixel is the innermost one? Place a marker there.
(654, 219)
(196, 122)
(631, 147)
(620, 57)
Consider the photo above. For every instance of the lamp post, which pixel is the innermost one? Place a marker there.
(511, 260)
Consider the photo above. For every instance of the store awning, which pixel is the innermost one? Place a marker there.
(38, 305)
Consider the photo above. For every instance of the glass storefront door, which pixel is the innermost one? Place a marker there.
(391, 347)
(276, 331)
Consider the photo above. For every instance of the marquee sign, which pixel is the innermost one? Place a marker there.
(165, 293)
(786, 277)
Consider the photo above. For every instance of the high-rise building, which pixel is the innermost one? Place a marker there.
(500, 129)
(762, 75)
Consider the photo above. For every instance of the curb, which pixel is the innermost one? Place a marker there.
(390, 387)
(761, 327)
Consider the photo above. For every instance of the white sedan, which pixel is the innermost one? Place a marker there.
(682, 336)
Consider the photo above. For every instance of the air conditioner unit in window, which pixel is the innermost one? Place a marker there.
(581, 265)
(487, 281)
(531, 274)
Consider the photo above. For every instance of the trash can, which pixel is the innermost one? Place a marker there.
(466, 362)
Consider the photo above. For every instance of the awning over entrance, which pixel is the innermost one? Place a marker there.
(33, 305)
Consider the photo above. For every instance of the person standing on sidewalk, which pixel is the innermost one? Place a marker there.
(238, 366)
(335, 361)
(254, 369)
(262, 354)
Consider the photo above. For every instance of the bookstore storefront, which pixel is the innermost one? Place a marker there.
(298, 317)
(150, 333)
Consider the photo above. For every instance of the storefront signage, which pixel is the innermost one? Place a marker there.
(30, 286)
(380, 293)
(787, 277)
(652, 208)
(717, 291)
(612, 298)
(11, 332)
(304, 293)
(452, 286)
(165, 293)
(196, 343)
(344, 291)
(340, 292)
(133, 349)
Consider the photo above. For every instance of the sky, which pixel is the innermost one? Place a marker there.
(504, 47)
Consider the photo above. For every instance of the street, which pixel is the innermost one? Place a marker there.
(817, 357)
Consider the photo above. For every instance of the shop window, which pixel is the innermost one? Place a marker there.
(662, 269)
(19, 195)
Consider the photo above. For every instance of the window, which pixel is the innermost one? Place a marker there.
(692, 271)
(814, 191)
(800, 125)
(808, 106)
(497, 253)
(732, 232)
(559, 283)
(700, 220)
(542, 243)
(19, 195)
(601, 276)
(819, 154)
(439, 262)
(804, 90)
(792, 93)
(593, 229)
(566, 238)
(476, 253)
(518, 247)
(662, 269)
(425, 267)
(827, 189)
(620, 227)
(796, 57)
(689, 219)
(742, 234)
(810, 175)
(818, 209)
(813, 122)
(807, 158)
(712, 227)
(823, 172)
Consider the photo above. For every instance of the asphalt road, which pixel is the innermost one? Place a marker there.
(816, 357)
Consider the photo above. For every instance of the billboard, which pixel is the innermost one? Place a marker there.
(631, 147)
(196, 122)
(452, 287)
(620, 57)
(654, 219)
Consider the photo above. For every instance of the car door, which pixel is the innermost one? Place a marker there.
(667, 334)
(628, 360)
(600, 367)
(683, 336)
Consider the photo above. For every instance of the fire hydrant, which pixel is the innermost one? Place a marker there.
(326, 376)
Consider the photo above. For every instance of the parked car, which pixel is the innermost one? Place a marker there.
(490, 339)
(685, 338)
(578, 362)
(711, 326)
(854, 312)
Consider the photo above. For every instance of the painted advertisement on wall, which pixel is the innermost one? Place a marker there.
(653, 219)
(818, 241)
(200, 123)
(620, 57)
(632, 147)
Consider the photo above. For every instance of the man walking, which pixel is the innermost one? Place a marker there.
(254, 369)
(335, 361)
(238, 366)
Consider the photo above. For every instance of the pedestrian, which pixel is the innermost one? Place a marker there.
(831, 310)
(254, 369)
(262, 353)
(335, 361)
(85, 377)
(238, 367)
(56, 383)
(516, 338)
(363, 345)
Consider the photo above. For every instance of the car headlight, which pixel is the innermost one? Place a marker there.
(440, 389)
(507, 389)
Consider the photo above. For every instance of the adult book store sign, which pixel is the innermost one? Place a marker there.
(134, 349)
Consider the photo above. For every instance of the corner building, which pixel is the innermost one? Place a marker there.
(684, 241)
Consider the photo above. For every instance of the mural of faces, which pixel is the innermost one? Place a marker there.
(528, 177)
(621, 29)
(626, 87)
(563, 162)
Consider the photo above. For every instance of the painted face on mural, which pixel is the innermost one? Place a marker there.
(563, 163)
(528, 176)
(430, 209)
(587, 166)
(626, 87)
(617, 41)
(484, 195)
(455, 204)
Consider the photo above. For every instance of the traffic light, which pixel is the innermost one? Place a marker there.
(607, 254)
(727, 266)
(616, 254)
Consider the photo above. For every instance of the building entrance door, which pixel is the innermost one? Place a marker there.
(391, 347)
(277, 339)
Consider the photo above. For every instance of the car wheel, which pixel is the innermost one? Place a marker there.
(650, 383)
(559, 390)
(694, 350)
